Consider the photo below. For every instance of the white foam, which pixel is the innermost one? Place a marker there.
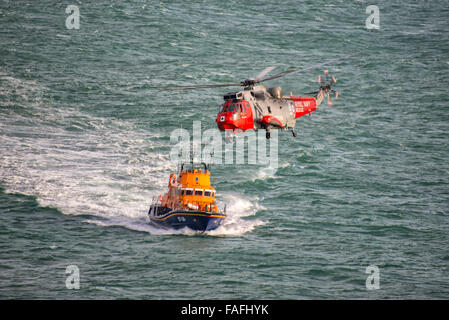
(237, 209)
(268, 172)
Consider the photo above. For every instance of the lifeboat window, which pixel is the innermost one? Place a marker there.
(207, 193)
(182, 192)
(189, 192)
(198, 192)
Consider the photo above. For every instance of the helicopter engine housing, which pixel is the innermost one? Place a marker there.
(276, 92)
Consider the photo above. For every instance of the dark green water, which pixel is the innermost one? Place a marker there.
(84, 145)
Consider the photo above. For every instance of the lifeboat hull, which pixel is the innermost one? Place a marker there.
(178, 219)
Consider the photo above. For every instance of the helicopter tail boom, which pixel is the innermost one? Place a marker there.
(303, 105)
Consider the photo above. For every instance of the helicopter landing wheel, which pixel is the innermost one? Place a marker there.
(268, 134)
(294, 133)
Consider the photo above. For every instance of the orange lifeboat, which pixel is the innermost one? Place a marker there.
(189, 202)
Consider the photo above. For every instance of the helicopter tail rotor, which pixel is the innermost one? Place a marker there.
(326, 82)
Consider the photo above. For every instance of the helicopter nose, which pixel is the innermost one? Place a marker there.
(224, 121)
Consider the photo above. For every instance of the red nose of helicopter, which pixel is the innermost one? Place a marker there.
(235, 115)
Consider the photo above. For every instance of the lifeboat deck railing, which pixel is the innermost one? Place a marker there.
(156, 201)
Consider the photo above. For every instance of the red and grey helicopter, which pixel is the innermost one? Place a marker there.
(258, 107)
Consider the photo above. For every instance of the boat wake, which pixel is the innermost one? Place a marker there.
(235, 223)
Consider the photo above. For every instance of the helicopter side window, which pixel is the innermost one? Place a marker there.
(231, 108)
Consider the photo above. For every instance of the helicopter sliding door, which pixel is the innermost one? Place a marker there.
(246, 116)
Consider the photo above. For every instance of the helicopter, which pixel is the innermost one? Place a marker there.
(258, 107)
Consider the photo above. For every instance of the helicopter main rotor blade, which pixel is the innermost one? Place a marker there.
(296, 70)
(314, 92)
(263, 73)
(163, 88)
(251, 82)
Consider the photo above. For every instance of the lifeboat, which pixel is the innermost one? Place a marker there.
(189, 202)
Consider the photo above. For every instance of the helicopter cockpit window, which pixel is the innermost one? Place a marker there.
(236, 107)
(221, 108)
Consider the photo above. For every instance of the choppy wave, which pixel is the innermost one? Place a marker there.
(364, 182)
